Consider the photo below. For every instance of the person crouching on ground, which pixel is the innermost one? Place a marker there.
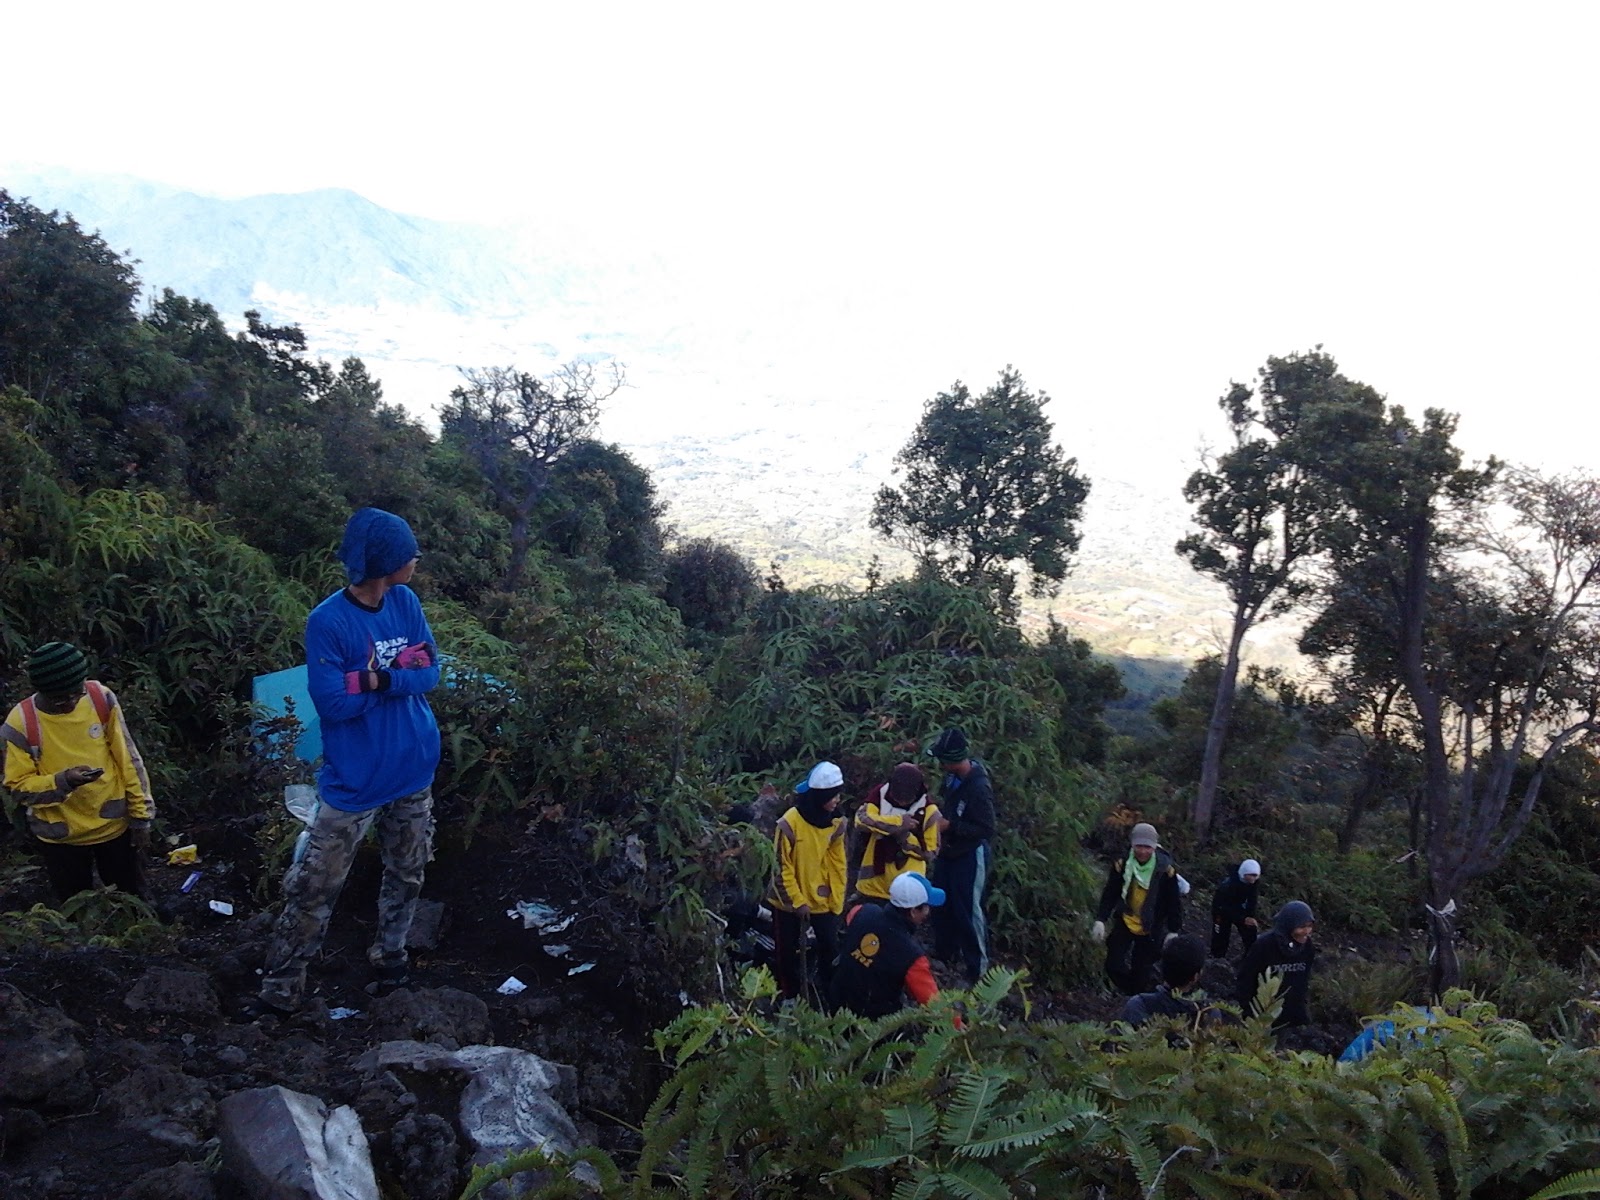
(1233, 906)
(880, 960)
(902, 828)
(1287, 951)
(1182, 960)
(370, 664)
(1141, 902)
(808, 885)
(71, 760)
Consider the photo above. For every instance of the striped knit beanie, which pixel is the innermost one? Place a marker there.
(57, 667)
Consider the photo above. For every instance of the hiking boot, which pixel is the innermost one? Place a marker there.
(388, 976)
(259, 1009)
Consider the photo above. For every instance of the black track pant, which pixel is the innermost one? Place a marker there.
(794, 961)
(1222, 931)
(1131, 960)
(71, 868)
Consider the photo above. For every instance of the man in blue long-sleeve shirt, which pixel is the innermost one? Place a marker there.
(966, 800)
(370, 664)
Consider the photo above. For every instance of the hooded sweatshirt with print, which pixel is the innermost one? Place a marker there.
(809, 844)
(1277, 951)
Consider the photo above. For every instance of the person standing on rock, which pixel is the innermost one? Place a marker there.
(809, 884)
(1142, 904)
(71, 760)
(966, 801)
(370, 664)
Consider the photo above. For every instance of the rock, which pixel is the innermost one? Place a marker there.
(508, 1103)
(233, 1056)
(19, 1127)
(181, 1181)
(283, 1145)
(41, 1061)
(168, 1105)
(163, 991)
(445, 1017)
(427, 925)
(427, 1155)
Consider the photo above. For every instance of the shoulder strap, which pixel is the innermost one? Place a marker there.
(30, 727)
(100, 699)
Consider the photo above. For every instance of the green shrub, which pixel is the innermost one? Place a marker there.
(796, 1103)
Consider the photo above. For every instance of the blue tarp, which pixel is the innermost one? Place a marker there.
(273, 694)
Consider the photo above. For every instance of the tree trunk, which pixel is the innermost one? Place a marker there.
(1444, 966)
(1203, 812)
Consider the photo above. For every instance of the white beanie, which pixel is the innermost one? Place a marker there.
(1249, 867)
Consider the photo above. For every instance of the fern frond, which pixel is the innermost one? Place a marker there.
(969, 1181)
(976, 1092)
(1579, 1183)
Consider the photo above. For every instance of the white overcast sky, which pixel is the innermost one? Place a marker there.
(1132, 203)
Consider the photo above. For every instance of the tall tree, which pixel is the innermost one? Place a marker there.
(985, 488)
(1491, 627)
(514, 427)
(1259, 506)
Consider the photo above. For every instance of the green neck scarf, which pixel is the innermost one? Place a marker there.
(1133, 873)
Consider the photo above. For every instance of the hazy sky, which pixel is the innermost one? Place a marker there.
(1132, 203)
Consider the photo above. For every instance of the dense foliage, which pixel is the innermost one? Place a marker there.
(1461, 1103)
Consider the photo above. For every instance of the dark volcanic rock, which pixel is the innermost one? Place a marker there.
(427, 1153)
(181, 1181)
(41, 1061)
(167, 1104)
(163, 991)
(446, 1017)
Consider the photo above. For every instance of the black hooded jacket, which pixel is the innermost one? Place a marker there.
(968, 804)
(1235, 899)
(1163, 905)
(1277, 949)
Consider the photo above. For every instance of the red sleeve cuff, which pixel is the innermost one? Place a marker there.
(919, 981)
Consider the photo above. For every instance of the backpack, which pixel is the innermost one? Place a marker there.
(30, 716)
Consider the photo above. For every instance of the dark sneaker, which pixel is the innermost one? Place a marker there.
(391, 975)
(258, 1008)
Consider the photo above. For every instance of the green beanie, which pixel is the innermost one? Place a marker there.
(56, 668)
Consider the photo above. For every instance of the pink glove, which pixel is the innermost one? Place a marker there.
(353, 681)
(414, 656)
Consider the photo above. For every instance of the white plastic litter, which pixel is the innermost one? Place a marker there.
(343, 1014)
(511, 986)
(542, 917)
(221, 907)
(557, 951)
(581, 968)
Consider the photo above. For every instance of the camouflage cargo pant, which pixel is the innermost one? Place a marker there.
(311, 888)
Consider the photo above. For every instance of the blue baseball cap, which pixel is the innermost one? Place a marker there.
(912, 889)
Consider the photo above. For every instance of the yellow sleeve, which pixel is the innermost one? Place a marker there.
(123, 751)
(22, 773)
(870, 817)
(835, 868)
(930, 832)
(788, 894)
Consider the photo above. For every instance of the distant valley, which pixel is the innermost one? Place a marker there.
(742, 446)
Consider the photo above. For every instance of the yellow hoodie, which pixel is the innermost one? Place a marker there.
(811, 868)
(97, 811)
(882, 861)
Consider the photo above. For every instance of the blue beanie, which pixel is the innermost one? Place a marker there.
(376, 543)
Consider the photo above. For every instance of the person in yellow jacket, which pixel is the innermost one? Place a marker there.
(72, 761)
(902, 827)
(809, 883)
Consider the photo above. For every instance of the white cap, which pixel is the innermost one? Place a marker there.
(823, 775)
(912, 890)
(1249, 867)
